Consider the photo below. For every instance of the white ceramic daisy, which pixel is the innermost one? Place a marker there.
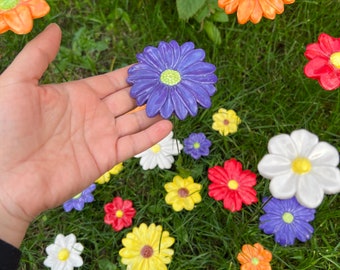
(64, 253)
(161, 154)
(299, 165)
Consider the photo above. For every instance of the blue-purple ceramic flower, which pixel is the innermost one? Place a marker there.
(78, 201)
(197, 145)
(287, 220)
(172, 79)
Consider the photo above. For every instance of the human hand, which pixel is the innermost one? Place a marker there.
(56, 139)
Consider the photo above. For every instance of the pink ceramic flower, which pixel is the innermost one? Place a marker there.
(324, 64)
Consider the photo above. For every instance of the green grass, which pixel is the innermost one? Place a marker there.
(260, 70)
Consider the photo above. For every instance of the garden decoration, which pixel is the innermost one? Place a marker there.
(225, 121)
(78, 202)
(147, 248)
(64, 253)
(299, 165)
(172, 79)
(107, 176)
(18, 15)
(197, 145)
(324, 61)
(254, 10)
(254, 257)
(287, 220)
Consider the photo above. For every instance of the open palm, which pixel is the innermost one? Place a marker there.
(56, 139)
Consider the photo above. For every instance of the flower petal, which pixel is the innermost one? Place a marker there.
(324, 154)
(330, 81)
(282, 145)
(284, 186)
(309, 193)
(328, 178)
(273, 165)
(19, 20)
(304, 141)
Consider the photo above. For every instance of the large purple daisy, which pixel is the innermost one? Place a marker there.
(287, 220)
(172, 79)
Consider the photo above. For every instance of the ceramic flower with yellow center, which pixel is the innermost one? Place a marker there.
(107, 176)
(18, 15)
(254, 257)
(182, 193)
(299, 165)
(161, 154)
(225, 121)
(64, 253)
(253, 10)
(147, 248)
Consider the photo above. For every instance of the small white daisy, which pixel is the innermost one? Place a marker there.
(64, 253)
(161, 154)
(299, 165)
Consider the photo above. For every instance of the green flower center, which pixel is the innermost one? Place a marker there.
(255, 261)
(233, 184)
(183, 192)
(301, 165)
(335, 59)
(170, 77)
(63, 254)
(197, 145)
(8, 4)
(119, 213)
(146, 251)
(77, 196)
(287, 217)
(156, 148)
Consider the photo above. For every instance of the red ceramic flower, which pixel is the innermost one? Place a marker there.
(119, 213)
(324, 64)
(232, 185)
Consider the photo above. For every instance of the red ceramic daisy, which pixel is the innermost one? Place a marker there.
(324, 64)
(119, 213)
(232, 185)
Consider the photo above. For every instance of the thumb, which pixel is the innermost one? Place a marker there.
(35, 57)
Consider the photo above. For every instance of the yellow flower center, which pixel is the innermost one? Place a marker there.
(255, 261)
(170, 77)
(233, 184)
(197, 145)
(335, 59)
(8, 4)
(119, 213)
(288, 217)
(156, 148)
(301, 165)
(146, 252)
(183, 192)
(63, 254)
(77, 196)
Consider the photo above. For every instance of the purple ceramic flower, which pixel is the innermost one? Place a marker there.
(78, 201)
(172, 79)
(287, 220)
(196, 145)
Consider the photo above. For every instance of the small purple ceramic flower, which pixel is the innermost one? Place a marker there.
(172, 79)
(78, 201)
(287, 220)
(196, 145)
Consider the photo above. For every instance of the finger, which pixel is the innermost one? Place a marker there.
(108, 83)
(35, 57)
(131, 145)
(134, 122)
(120, 102)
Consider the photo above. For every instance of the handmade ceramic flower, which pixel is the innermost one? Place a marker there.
(147, 248)
(78, 201)
(18, 15)
(287, 220)
(182, 193)
(299, 165)
(64, 253)
(107, 176)
(161, 154)
(254, 10)
(254, 257)
(119, 213)
(324, 64)
(232, 185)
(225, 122)
(172, 79)
(196, 145)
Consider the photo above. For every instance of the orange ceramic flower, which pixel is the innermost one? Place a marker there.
(253, 10)
(18, 15)
(254, 257)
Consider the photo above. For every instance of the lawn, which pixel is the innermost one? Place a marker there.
(260, 77)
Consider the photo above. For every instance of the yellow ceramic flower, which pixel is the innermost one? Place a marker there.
(147, 248)
(182, 193)
(18, 15)
(226, 121)
(107, 176)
